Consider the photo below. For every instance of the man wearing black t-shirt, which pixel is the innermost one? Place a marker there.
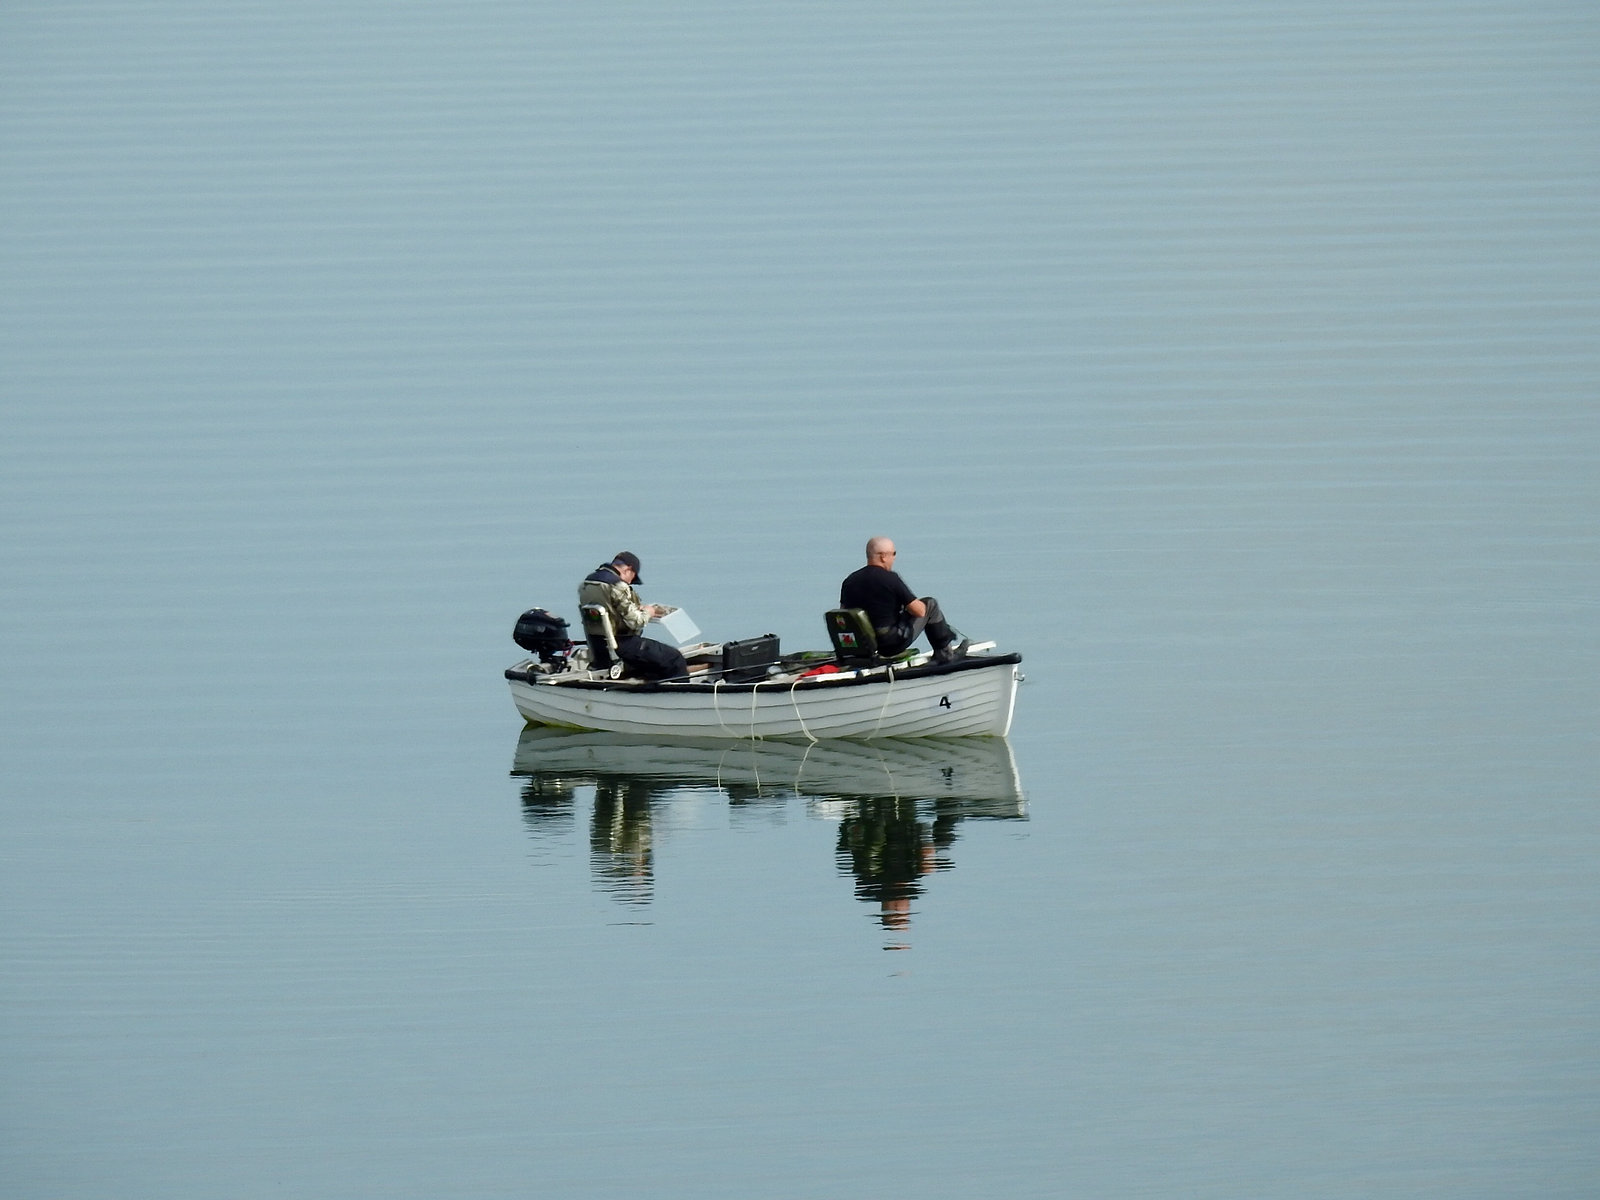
(896, 613)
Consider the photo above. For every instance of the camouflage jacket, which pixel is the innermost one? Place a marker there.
(605, 586)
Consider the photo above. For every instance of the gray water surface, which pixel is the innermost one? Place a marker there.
(1236, 363)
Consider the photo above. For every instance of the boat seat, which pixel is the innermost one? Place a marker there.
(602, 638)
(855, 644)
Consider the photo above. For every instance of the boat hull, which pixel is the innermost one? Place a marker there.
(972, 697)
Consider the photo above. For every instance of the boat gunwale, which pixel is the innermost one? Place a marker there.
(852, 678)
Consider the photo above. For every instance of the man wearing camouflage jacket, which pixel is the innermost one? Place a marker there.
(611, 585)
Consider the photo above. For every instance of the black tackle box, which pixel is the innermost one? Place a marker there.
(749, 659)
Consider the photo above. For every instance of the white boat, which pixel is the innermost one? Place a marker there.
(810, 696)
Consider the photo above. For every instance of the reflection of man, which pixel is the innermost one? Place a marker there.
(611, 585)
(888, 849)
(897, 615)
(621, 849)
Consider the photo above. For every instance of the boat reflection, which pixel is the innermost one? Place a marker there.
(898, 802)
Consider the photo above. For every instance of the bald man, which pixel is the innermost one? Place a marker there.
(897, 614)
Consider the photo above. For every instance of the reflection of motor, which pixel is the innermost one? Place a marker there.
(545, 634)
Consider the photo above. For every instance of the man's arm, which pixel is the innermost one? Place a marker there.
(908, 598)
(630, 614)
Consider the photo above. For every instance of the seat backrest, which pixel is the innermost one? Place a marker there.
(598, 630)
(597, 624)
(852, 636)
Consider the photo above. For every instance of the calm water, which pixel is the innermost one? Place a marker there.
(1235, 362)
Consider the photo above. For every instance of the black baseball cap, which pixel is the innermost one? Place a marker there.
(629, 559)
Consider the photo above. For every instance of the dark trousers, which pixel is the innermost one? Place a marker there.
(905, 631)
(645, 658)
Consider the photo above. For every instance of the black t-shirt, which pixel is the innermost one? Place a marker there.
(877, 590)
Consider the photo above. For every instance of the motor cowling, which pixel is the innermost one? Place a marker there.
(543, 633)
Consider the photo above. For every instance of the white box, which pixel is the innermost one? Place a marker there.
(675, 628)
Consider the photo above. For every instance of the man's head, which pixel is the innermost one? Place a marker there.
(880, 552)
(627, 565)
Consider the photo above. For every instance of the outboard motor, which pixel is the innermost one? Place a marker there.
(545, 634)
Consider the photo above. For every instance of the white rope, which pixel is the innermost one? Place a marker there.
(887, 692)
(798, 716)
(888, 774)
(800, 770)
(716, 707)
